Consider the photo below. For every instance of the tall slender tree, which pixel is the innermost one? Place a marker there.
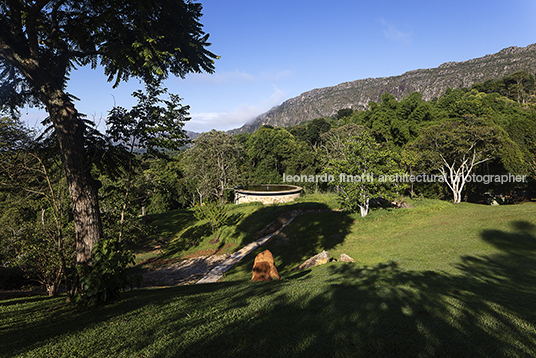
(42, 41)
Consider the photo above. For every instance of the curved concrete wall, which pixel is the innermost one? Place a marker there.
(266, 197)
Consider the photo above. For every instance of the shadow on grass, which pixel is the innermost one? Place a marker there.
(171, 223)
(233, 219)
(488, 310)
(253, 224)
(194, 234)
(337, 310)
(311, 231)
(189, 238)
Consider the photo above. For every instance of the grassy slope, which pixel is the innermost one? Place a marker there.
(434, 235)
(182, 236)
(462, 282)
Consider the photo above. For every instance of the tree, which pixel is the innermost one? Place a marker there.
(315, 129)
(271, 152)
(518, 86)
(41, 42)
(344, 112)
(148, 125)
(397, 122)
(365, 171)
(36, 233)
(213, 162)
(456, 147)
(334, 142)
(214, 213)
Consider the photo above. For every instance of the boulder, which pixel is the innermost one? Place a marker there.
(264, 267)
(346, 258)
(316, 260)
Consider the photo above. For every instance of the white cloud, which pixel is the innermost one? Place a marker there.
(237, 76)
(223, 77)
(391, 32)
(203, 122)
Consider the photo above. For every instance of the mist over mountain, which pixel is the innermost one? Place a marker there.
(431, 83)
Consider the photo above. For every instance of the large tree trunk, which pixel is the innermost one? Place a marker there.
(82, 188)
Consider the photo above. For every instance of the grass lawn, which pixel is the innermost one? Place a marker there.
(438, 280)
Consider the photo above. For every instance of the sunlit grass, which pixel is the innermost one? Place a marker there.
(437, 280)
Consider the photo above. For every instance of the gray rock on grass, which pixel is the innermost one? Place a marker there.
(316, 260)
(346, 258)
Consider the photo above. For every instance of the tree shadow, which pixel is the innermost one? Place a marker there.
(311, 231)
(520, 242)
(190, 237)
(232, 219)
(193, 235)
(488, 309)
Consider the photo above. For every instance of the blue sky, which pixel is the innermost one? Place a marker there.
(274, 50)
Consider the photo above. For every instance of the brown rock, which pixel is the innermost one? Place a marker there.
(264, 267)
(316, 260)
(346, 258)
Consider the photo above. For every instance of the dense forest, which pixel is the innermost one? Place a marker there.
(143, 166)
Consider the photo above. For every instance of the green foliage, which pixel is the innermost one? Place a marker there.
(364, 173)
(312, 131)
(165, 185)
(127, 38)
(274, 151)
(43, 41)
(455, 148)
(214, 213)
(518, 86)
(344, 112)
(149, 124)
(397, 123)
(36, 228)
(429, 281)
(107, 276)
(13, 135)
(213, 163)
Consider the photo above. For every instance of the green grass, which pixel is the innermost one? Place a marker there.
(181, 235)
(438, 280)
(434, 235)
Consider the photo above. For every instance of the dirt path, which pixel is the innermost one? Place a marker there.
(182, 273)
(217, 273)
(210, 268)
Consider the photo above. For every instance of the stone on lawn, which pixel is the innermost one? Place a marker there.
(316, 260)
(264, 267)
(346, 258)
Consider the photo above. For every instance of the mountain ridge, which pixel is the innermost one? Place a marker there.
(431, 83)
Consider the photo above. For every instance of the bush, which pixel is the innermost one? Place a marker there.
(214, 213)
(103, 281)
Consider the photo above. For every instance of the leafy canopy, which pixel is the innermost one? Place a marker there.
(364, 173)
(42, 41)
(149, 124)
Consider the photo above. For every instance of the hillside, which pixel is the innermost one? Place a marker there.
(324, 102)
(437, 280)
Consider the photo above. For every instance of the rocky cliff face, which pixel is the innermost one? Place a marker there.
(324, 102)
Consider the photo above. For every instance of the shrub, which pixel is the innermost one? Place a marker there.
(107, 276)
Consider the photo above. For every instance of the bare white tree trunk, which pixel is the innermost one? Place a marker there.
(456, 176)
(364, 209)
